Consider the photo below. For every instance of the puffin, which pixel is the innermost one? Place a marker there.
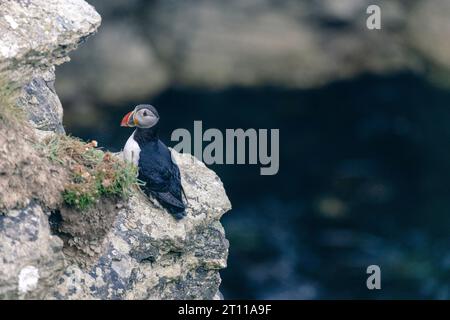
(154, 160)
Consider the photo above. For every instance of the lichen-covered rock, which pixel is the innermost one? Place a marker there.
(127, 249)
(31, 259)
(41, 102)
(36, 35)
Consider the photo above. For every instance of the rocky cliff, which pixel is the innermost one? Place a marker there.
(120, 248)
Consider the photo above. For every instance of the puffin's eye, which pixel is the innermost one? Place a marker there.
(145, 113)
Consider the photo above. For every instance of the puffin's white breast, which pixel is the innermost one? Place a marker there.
(131, 150)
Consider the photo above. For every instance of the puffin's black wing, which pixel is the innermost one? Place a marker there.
(162, 177)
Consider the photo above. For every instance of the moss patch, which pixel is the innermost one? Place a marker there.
(92, 172)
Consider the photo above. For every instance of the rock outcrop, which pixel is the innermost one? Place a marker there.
(37, 35)
(145, 253)
(127, 249)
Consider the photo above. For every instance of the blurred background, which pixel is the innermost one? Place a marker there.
(364, 119)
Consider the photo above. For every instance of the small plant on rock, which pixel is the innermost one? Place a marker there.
(93, 173)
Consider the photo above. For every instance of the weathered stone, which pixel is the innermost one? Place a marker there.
(40, 101)
(35, 36)
(31, 259)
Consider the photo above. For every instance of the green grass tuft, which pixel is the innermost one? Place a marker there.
(93, 173)
(81, 201)
(10, 114)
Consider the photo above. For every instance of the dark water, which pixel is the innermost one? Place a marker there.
(364, 179)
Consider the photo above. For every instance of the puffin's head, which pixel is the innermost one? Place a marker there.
(143, 116)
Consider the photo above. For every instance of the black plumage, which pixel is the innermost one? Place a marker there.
(160, 174)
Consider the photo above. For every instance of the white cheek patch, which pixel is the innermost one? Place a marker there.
(148, 122)
(153, 121)
(131, 151)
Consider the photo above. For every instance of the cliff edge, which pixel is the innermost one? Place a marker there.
(119, 248)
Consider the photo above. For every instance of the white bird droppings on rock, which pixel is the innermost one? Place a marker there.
(28, 279)
(11, 22)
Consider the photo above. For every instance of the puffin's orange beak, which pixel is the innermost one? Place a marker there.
(127, 121)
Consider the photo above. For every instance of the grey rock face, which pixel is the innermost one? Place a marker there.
(31, 258)
(40, 101)
(38, 34)
(116, 250)
(35, 36)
